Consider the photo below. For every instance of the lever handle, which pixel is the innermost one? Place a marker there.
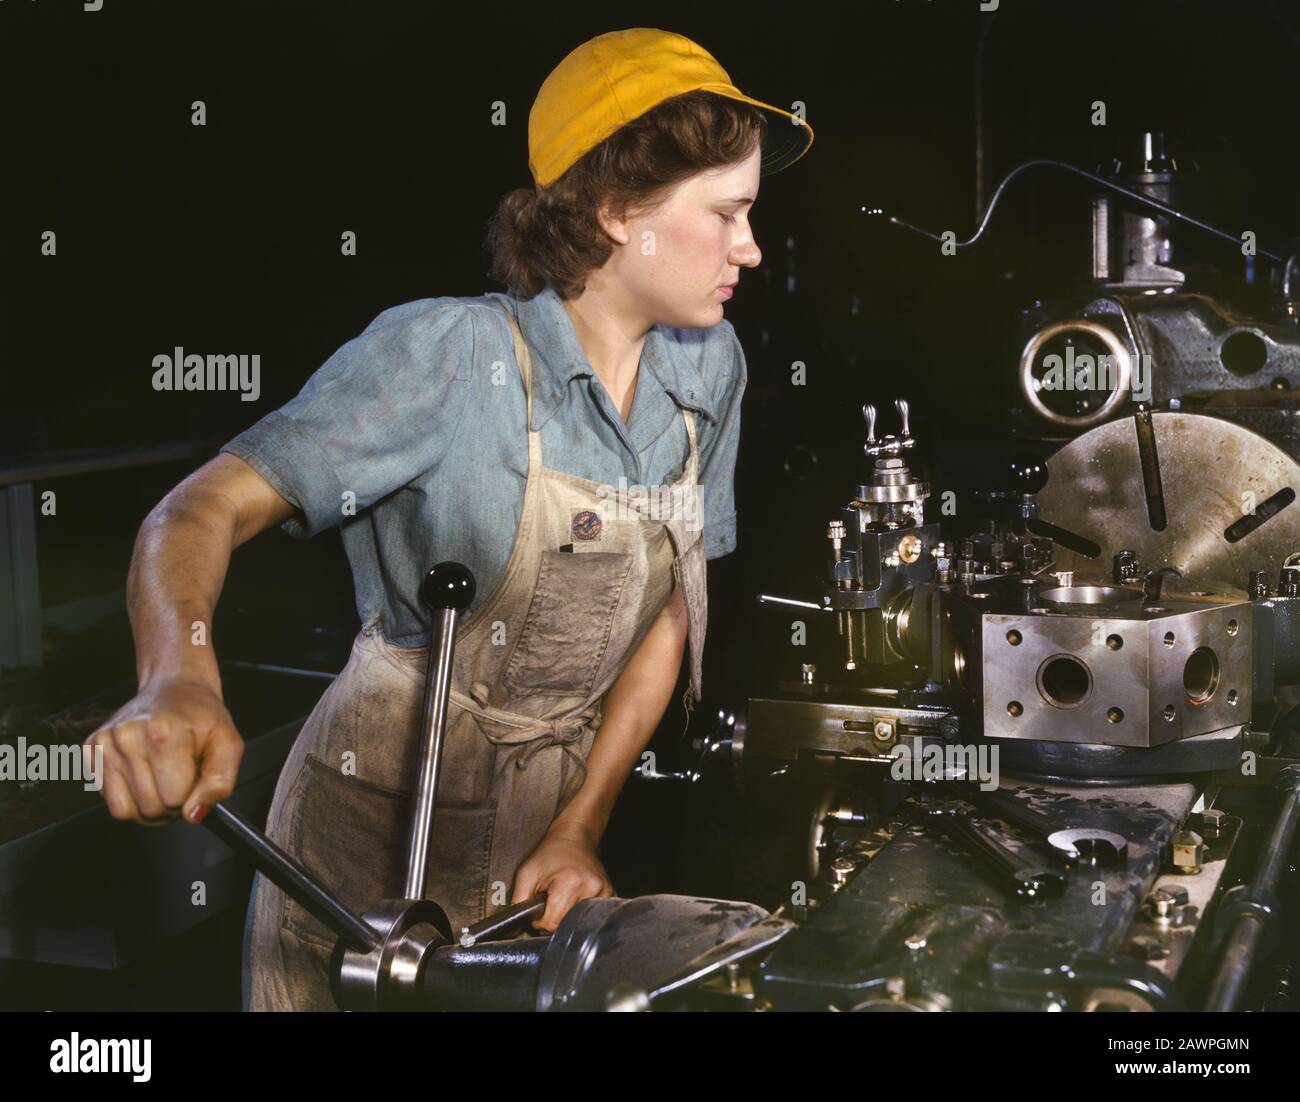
(446, 589)
(869, 412)
(504, 921)
(288, 875)
(901, 405)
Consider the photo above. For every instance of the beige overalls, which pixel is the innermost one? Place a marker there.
(531, 666)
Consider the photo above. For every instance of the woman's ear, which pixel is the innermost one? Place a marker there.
(614, 225)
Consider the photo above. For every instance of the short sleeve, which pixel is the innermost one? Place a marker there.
(719, 446)
(381, 411)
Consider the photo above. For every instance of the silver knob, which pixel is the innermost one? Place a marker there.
(901, 405)
(869, 412)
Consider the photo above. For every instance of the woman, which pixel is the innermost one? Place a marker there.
(572, 441)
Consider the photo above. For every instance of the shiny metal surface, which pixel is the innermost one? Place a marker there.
(1117, 676)
(387, 976)
(1115, 348)
(1208, 467)
(437, 687)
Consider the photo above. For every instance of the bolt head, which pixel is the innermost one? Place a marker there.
(1188, 851)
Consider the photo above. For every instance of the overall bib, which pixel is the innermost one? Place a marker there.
(531, 667)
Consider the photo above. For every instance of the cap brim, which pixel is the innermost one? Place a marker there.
(788, 138)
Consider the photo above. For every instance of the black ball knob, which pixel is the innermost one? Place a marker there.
(448, 585)
(1028, 473)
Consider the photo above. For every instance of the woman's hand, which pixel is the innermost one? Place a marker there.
(565, 866)
(171, 750)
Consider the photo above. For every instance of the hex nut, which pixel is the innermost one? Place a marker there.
(1188, 851)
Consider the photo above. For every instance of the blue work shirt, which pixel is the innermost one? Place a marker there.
(411, 438)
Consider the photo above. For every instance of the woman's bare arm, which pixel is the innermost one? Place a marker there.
(173, 747)
(180, 560)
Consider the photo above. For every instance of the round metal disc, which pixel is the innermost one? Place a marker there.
(1211, 473)
(1089, 846)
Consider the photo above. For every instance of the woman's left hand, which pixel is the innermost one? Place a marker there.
(566, 868)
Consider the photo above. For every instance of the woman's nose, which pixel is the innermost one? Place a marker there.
(747, 255)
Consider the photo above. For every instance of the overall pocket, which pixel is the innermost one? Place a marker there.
(569, 619)
(351, 835)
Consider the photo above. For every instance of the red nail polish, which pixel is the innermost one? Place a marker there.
(199, 811)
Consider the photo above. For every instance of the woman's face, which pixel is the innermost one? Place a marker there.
(674, 261)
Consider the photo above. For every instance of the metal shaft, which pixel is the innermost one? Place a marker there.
(289, 876)
(437, 688)
(1239, 951)
(1245, 936)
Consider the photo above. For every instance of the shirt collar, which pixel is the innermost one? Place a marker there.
(558, 357)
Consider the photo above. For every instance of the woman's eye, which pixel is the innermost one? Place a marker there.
(727, 217)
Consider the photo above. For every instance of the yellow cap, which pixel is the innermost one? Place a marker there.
(614, 78)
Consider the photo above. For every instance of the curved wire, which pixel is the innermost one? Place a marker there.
(1100, 181)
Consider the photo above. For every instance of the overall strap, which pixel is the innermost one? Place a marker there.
(524, 358)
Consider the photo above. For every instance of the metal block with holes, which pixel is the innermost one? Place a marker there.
(1090, 664)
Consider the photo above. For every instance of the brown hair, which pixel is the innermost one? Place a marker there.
(551, 234)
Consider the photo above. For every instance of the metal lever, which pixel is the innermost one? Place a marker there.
(503, 922)
(900, 404)
(289, 876)
(769, 599)
(446, 589)
(889, 444)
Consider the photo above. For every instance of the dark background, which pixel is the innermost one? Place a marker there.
(374, 117)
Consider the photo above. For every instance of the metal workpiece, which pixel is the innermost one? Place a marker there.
(1093, 664)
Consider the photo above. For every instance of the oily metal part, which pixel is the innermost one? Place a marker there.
(1209, 472)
